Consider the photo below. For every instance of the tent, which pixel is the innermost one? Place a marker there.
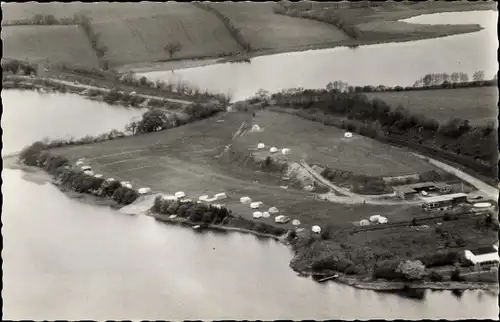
(203, 198)
(97, 175)
(261, 146)
(285, 151)
(273, 210)
(172, 216)
(266, 214)
(179, 194)
(382, 220)
(255, 205)
(364, 222)
(128, 185)
(245, 200)
(348, 135)
(296, 222)
(316, 229)
(89, 172)
(144, 190)
(79, 163)
(273, 149)
(86, 167)
(281, 219)
(220, 196)
(374, 218)
(256, 128)
(110, 179)
(257, 214)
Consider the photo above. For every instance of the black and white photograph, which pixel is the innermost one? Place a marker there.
(250, 160)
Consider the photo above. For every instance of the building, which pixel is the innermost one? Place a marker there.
(444, 202)
(483, 255)
(409, 190)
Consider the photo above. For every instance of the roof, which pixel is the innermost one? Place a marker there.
(410, 187)
(444, 197)
(483, 250)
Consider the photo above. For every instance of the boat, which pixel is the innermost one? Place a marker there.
(196, 227)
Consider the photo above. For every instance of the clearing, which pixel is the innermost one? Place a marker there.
(183, 159)
(264, 29)
(444, 104)
(61, 44)
(326, 146)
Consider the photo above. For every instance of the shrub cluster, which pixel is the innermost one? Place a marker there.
(99, 48)
(18, 67)
(209, 214)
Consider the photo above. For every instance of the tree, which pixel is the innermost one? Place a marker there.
(455, 77)
(464, 78)
(151, 121)
(478, 76)
(132, 127)
(172, 48)
(411, 270)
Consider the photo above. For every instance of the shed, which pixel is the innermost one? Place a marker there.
(316, 229)
(180, 194)
(256, 128)
(483, 255)
(220, 196)
(348, 135)
(257, 214)
(440, 202)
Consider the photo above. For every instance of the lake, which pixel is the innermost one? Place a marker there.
(365, 65)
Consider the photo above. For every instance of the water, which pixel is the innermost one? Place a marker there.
(63, 259)
(365, 65)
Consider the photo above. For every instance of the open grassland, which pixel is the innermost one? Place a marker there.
(61, 44)
(477, 104)
(326, 145)
(264, 29)
(183, 159)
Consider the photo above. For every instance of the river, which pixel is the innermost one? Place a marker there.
(365, 65)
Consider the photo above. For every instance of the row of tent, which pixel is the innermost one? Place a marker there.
(374, 220)
(284, 151)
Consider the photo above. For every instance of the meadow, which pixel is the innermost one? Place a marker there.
(61, 44)
(444, 104)
(184, 159)
(264, 29)
(327, 146)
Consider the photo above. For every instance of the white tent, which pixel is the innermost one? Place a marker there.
(285, 151)
(296, 222)
(245, 200)
(220, 196)
(89, 172)
(79, 163)
(257, 214)
(374, 218)
(273, 210)
(86, 167)
(128, 185)
(382, 220)
(144, 190)
(168, 197)
(97, 175)
(273, 149)
(348, 135)
(266, 214)
(123, 183)
(180, 194)
(255, 205)
(281, 219)
(172, 216)
(316, 229)
(364, 222)
(261, 146)
(256, 128)
(110, 179)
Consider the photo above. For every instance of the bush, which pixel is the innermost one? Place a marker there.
(455, 276)
(436, 277)
(151, 121)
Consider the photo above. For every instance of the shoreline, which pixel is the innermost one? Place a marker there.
(359, 282)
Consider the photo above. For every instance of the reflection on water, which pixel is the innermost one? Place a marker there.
(365, 65)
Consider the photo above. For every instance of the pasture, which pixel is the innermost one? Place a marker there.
(183, 159)
(477, 104)
(326, 145)
(57, 44)
(264, 29)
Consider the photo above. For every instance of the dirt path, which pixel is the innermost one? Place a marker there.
(485, 188)
(83, 86)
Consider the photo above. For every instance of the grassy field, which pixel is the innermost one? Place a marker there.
(62, 44)
(327, 146)
(264, 29)
(183, 159)
(444, 104)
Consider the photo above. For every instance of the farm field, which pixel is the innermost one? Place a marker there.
(327, 146)
(444, 104)
(61, 44)
(265, 30)
(183, 159)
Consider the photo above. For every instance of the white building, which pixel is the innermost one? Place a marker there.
(484, 255)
